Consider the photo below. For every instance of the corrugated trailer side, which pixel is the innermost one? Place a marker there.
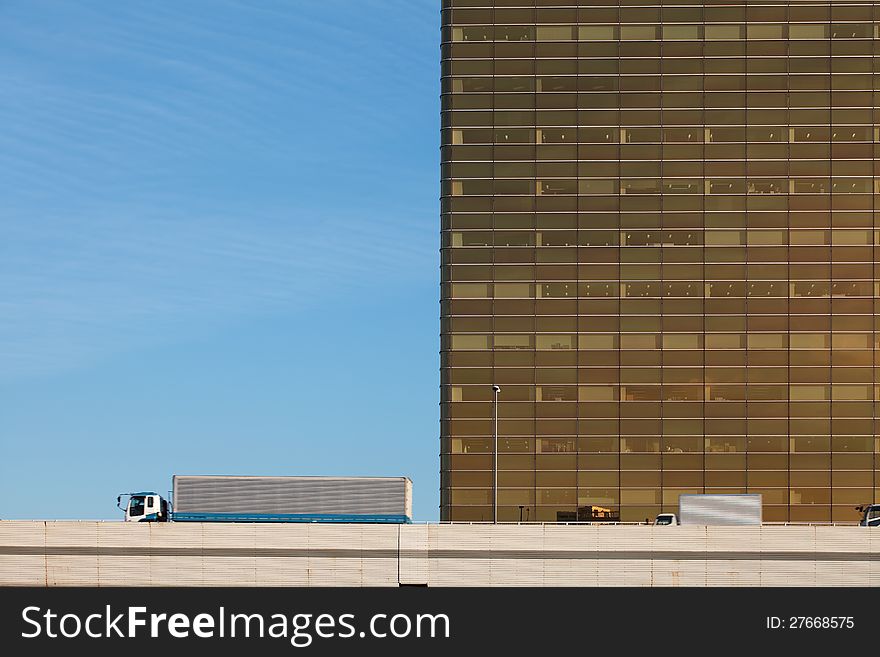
(720, 509)
(206, 498)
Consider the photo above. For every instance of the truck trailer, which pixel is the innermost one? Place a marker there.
(205, 498)
(719, 509)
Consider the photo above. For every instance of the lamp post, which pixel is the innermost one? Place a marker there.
(496, 390)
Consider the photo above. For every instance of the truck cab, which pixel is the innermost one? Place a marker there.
(144, 507)
(666, 519)
(870, 515)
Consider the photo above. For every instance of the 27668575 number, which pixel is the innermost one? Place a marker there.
(821, 622)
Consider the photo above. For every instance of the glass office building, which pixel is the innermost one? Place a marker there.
(659, 234)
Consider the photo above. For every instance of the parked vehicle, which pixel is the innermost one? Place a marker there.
(589, 513)
(275, 499)
(870, 515)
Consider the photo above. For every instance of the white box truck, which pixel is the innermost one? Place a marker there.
(199, 498)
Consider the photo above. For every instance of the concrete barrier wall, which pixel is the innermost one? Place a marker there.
(35, 553)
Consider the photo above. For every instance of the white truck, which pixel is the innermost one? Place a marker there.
(200, 498)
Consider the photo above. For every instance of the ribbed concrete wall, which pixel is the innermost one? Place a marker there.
(192, 554)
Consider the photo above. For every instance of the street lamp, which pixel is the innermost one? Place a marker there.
(496, 390)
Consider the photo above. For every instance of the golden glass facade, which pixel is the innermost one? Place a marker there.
(659, 224)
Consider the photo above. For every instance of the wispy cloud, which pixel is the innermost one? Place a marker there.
(74, 287)
(169, 165)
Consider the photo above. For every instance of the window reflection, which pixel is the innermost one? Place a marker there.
(658, 238)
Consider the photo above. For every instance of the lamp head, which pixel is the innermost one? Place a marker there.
(496, 389)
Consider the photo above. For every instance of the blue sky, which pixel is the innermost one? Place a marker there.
(218, 245)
